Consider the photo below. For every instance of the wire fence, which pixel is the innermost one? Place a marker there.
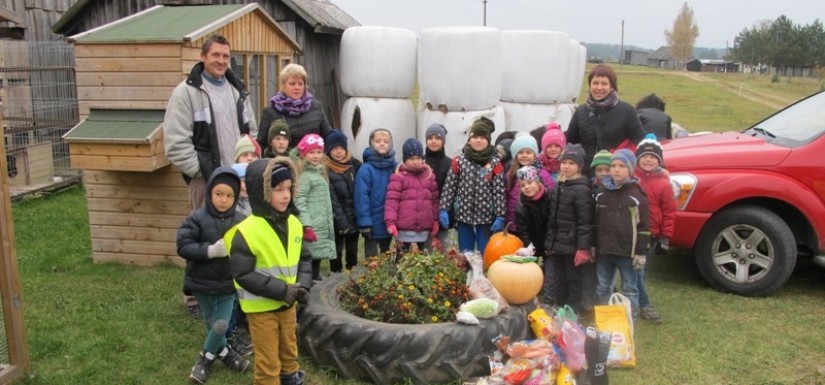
(38, 104)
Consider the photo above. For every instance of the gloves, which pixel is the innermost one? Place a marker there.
(392, 230)
(434, 231)
(217, 250)
(498, 225)
(291, 294)
(663, 245)
(582, 257)
(366, 232)
(639, 261)
(444, 218)
(309, 234)
(302, 294)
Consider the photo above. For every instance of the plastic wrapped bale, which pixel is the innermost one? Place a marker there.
(360, 116)
(578, 60)
(525, 117)
(537, 66)
(458, 126)
(378, 62)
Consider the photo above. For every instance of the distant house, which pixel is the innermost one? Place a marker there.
(636, 57)
(662, 58)
(316, 25)
(711, 65)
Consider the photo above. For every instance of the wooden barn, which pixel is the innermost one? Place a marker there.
(31, 20)
(126, 71)
(316, 25)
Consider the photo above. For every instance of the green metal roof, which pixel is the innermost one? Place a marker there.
(160, 24)
(116, 126)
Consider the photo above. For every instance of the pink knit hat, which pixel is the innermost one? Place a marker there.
(310, 142)
(553, 135)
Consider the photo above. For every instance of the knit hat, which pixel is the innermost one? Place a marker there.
(280, 173)
(227, 179)
(278, 127)
(553, 135)
(372, 135)
(411, 148)
(522, 141)
(240, 168)
(601, 157)
(310, 142)
(334, 139)
(626, 157)
(649, 145)
(574, 152)
(436, 129)
(528, 173)
(483, 126)
(246, 144)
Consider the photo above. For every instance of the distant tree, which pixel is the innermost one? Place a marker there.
(753, 46)
(683, 35)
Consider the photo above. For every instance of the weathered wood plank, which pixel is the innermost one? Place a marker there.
(133, 247)
(134, 64)
(138, 259)
(127, 50)
(84, 106)
(139, 150)
(127, 79)
(164, 177)
(161, 221)
(138, 192)
(154, 234)
(160, 94)
(118, 163)
(139, 206)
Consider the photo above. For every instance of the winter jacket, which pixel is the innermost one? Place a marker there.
(622, 224)
(656, 121)
(570, 222)
(371, 192)
(614, 126)
(315, 206)
(475, 192)
(313, 121)
(514, 194)
(242, 260)
(656, 186)
(531, 220)
(343, 198)
(439, 162)
(412, 199)
(202, 228)
(189, 125)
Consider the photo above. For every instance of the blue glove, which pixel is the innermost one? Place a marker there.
(498, 225)
(444, 218)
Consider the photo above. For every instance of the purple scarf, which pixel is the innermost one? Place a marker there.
(292, 107)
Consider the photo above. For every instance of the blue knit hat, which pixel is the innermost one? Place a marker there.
(412, 147)
(627, 157)
(522, 141)
(335, 138)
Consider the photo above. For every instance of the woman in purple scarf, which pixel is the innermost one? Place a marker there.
(295, 104)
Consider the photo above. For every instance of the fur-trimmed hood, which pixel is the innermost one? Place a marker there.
(258, 185)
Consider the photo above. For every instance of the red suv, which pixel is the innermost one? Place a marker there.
(751, 202)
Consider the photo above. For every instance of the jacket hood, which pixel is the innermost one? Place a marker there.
(258, 186)
(377, 160)
(223, 175)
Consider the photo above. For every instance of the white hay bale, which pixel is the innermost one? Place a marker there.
(378, 62)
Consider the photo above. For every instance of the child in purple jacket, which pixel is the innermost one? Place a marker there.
(411, 209)
(525, 152)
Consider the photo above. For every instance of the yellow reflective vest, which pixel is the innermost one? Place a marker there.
(272, 258)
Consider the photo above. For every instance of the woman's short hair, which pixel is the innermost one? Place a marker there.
(651, 101)
(604, 70)
(292, 70)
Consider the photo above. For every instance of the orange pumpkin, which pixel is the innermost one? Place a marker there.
(517, 282)
(501, 243)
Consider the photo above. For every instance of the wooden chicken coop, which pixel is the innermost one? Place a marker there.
(126, 71)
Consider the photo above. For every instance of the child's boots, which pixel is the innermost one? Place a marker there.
(200, 372)
(296, 378)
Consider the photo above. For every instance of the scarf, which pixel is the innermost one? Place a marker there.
(293, 107)
(551, 165)
(338, 167)
(480, 157)
(598, 107)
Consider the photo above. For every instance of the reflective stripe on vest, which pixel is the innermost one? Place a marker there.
(271, 258)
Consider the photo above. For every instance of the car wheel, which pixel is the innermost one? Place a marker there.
(747, 250)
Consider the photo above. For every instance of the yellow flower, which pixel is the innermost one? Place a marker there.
(400, 296)
(429, 300)
(435, 319)
(411, 288)
(365, 306)
(440, 274)
(447, 304)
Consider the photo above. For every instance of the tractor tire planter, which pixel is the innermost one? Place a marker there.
(385, 353)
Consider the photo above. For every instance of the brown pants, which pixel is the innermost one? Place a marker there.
(275, 344)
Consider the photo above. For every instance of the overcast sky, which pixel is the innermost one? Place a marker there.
(591, 21)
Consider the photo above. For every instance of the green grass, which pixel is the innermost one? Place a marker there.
(107, 323)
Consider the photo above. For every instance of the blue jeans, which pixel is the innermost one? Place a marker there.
(606, 266)
(641, 275)
(473, 237)
(217, 312)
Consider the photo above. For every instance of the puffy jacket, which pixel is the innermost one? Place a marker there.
(656, 186)
(570, 222)
(657, 122)
(614, 126)
(199, 230)
(412, 199)
(189, 124)
(531, 220)
(343, 197)
(514, 194)
(475, 192)
(315, 206)
(313, 121)
(371, 192)
(622, 226)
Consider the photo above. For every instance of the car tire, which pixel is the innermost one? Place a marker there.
(746, 250)
(388, 353)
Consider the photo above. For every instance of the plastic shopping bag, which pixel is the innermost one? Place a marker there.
(614, 319)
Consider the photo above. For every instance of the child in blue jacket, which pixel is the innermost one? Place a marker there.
(371, 192)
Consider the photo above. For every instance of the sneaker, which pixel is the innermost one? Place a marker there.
(296, 378)
(650, 314)
(200, 372)
(240, 348)
(195, 311)
(234, 361)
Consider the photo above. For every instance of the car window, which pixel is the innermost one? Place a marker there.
(796, 125)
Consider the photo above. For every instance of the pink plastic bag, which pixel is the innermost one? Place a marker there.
(572, 344)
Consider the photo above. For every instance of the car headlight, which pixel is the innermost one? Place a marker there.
(683, 186)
